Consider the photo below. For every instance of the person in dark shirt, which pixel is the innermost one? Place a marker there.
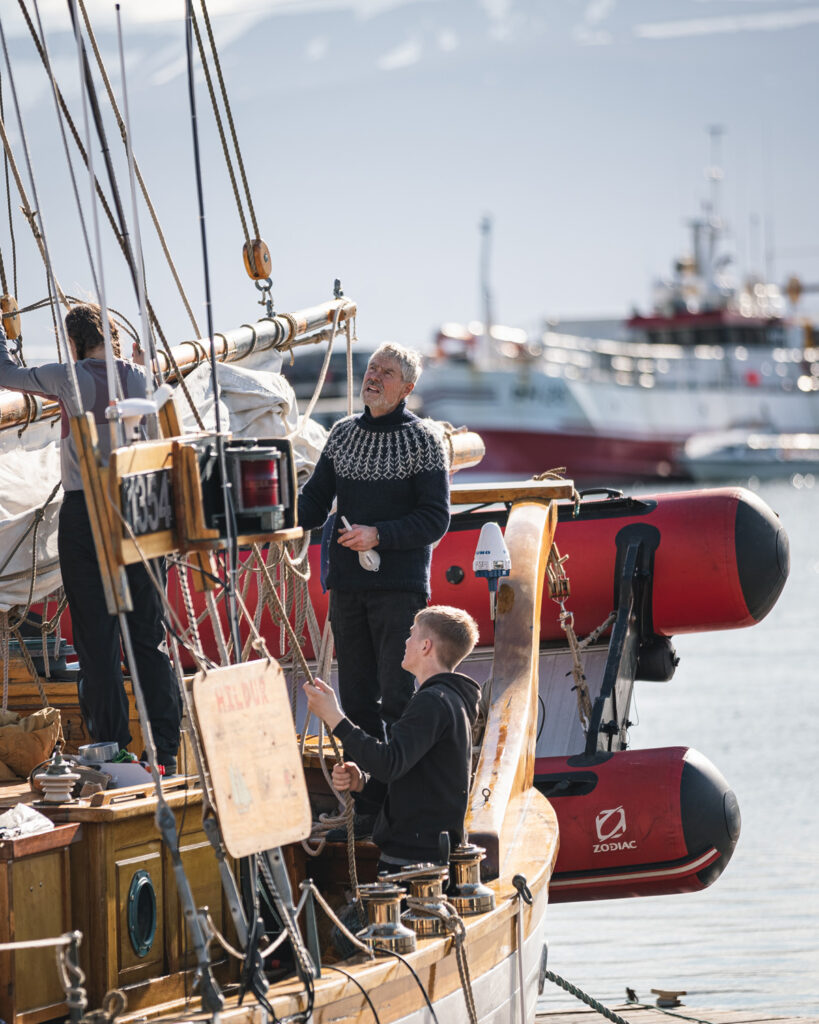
(96, 634)
(426, 763)
(388, 472)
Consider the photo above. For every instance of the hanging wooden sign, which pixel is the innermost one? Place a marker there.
(249, 739)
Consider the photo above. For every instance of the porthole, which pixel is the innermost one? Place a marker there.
(141, 913)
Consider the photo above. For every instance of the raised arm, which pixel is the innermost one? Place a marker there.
(37, 380)
(417, 731)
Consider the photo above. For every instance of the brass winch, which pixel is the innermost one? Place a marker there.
(467, 893)
(382, 901)
(426, 884)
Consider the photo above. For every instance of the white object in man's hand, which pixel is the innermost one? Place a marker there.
(368, 559)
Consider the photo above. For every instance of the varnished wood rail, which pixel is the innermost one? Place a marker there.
(506, 763)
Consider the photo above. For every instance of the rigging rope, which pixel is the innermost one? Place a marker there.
(218, 119)
(108, 213)
(229, 115)
(53, 82)
(8, 207)
(559, 590)
(583, 997)
(27, 211)
(149, 204)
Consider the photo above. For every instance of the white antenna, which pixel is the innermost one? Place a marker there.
(714, 175)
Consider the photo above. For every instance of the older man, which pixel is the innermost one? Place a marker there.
(388, 471)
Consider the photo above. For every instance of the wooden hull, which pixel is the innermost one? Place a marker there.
(120, 849)
(492, 949)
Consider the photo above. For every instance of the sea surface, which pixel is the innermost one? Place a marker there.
(749, 700)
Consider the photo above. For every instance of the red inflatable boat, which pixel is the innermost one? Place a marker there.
(638, 823)
(719, 561)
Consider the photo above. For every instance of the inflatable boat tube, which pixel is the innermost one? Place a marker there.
(719, 561)
(638, 823)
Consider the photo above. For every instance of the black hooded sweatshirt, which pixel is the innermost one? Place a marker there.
(426, 763)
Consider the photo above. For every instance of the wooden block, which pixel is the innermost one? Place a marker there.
(506, 762)
(478, 494)
(143, 457)
(249, 740)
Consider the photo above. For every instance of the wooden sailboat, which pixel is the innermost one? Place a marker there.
(114, 865)
(136, 886)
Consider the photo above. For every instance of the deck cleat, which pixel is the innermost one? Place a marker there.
(468, 894)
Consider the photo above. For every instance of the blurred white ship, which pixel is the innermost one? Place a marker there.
(712, 355)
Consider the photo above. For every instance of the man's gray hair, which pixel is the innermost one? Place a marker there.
(407, 358)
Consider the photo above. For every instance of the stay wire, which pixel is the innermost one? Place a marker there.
(230, 519)
(111, 220)
(148, 203)
(43, 50)
(115, 425)
(37, 215)
(91, 92)
(147, 343)
(8, 206)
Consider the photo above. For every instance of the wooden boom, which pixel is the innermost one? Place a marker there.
(283, 331)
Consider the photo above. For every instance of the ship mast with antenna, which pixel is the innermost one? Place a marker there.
(485, 348)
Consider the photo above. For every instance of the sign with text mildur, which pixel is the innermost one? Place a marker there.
(252, 752)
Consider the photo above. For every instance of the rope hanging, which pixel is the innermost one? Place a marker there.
(559, 591)
(120, 238)
(149, 204)
(255, 252)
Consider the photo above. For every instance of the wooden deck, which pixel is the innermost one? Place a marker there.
(638, 1013)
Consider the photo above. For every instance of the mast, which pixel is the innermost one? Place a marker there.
(485, 347)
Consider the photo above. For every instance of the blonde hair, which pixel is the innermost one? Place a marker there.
(453, 630)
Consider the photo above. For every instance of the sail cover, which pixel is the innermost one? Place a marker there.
(253, 403)
(27, 478)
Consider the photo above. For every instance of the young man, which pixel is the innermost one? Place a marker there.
(427, 761)
(96, 634)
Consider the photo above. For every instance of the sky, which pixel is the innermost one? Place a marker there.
(377, 134)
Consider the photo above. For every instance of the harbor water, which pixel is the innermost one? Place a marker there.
(749, 700)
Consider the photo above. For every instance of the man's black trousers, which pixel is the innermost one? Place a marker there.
(370, 629)
(97, 640)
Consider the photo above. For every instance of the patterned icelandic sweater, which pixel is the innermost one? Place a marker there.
(389, 472)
